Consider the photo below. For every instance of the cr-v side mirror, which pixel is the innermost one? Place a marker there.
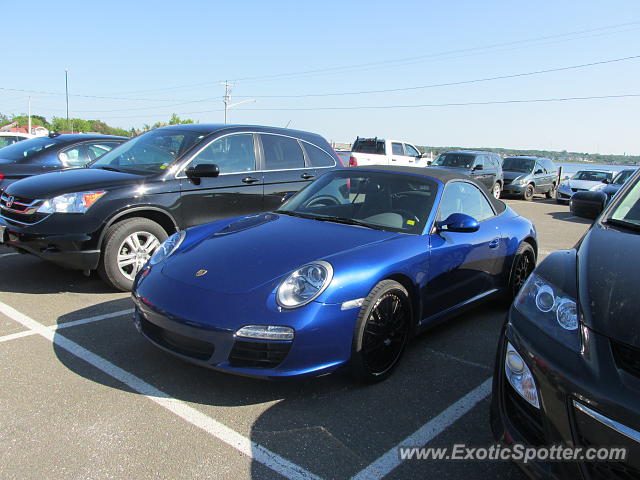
(203, 170)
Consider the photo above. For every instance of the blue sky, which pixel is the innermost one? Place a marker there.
(162, 57)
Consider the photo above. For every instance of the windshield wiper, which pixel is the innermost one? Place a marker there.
(348, 221)
(325, 218)
(111, 169)
(296, 214)
(624, 224)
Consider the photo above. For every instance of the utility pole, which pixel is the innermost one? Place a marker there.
(29, 121)
(227, 98)
(66, 87)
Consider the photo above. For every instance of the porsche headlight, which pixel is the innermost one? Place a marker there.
(552, 310)
(598, 187)
(167, 247)
(78, 202)
(304, 285)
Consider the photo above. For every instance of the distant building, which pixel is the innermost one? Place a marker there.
(14, 128)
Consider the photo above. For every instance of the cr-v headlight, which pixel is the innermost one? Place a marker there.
(304, 285)
(166, 248)
(78, 202)
(552, 310)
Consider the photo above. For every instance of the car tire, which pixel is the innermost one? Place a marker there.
(382, 331)
(524, 261)
(552, 191)
(126, 247)
(496, 190)
(528, 193)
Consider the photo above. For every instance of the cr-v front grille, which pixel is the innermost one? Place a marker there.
(20, 209)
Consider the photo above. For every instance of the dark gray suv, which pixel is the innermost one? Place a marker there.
(484, 167)
(525, 176)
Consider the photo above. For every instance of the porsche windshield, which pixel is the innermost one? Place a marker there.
(627, 210)
(150, 153)
(385, 201)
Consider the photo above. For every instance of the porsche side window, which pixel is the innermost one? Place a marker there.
(232, 154)
(463, 197)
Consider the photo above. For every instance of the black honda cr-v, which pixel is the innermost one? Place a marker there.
(112, 215)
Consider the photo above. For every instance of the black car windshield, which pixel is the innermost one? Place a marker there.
(456, 160)
(622, 177)
(592, 175)
(627, 209)
(27, 149)
(150, 153)
(524, 165)
(384, 201)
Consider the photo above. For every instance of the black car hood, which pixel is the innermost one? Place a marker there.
(608, 280)
(49, 185)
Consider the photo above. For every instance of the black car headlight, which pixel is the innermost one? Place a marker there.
(166, 248)
(304, 285)
(551, 309)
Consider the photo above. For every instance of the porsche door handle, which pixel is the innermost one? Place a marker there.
(250, 180)
(494, 243)
(306, 176)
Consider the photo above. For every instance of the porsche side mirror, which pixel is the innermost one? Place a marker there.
(478, 167)
(606, 181)
(537, 172)
(458, 222)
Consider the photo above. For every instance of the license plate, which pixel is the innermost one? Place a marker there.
(2, 229)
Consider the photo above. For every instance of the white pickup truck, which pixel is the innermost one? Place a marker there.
(378, 151)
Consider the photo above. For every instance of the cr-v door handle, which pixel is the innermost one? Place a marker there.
(250, 180)
(306, 176)
(494, 243)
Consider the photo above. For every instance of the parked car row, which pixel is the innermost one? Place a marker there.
(254, 251)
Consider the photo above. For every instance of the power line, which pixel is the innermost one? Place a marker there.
(423, 105)
(385, 62)
(448, 84)
(389, 90)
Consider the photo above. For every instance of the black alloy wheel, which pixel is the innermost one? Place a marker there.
(523, 264)
(382, 332)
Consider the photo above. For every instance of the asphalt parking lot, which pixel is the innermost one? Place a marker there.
(85, 396)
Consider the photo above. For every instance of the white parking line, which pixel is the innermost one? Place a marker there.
(390, 460)
(214, 428)
(74, 323)
(8, 254)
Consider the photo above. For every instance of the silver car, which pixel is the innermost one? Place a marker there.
(582, 181)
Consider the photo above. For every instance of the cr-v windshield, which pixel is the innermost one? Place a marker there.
(455, 160)
(524, 165)
(150, 153)
(382, 201)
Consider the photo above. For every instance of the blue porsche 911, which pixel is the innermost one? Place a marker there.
(343, 274)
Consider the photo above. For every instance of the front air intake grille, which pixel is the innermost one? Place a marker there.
(626, 357)
(524, 416)
(258, 354)
(190, 347)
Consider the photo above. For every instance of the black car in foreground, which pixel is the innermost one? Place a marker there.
(113, 215)
(568, 362)
(53, 152)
